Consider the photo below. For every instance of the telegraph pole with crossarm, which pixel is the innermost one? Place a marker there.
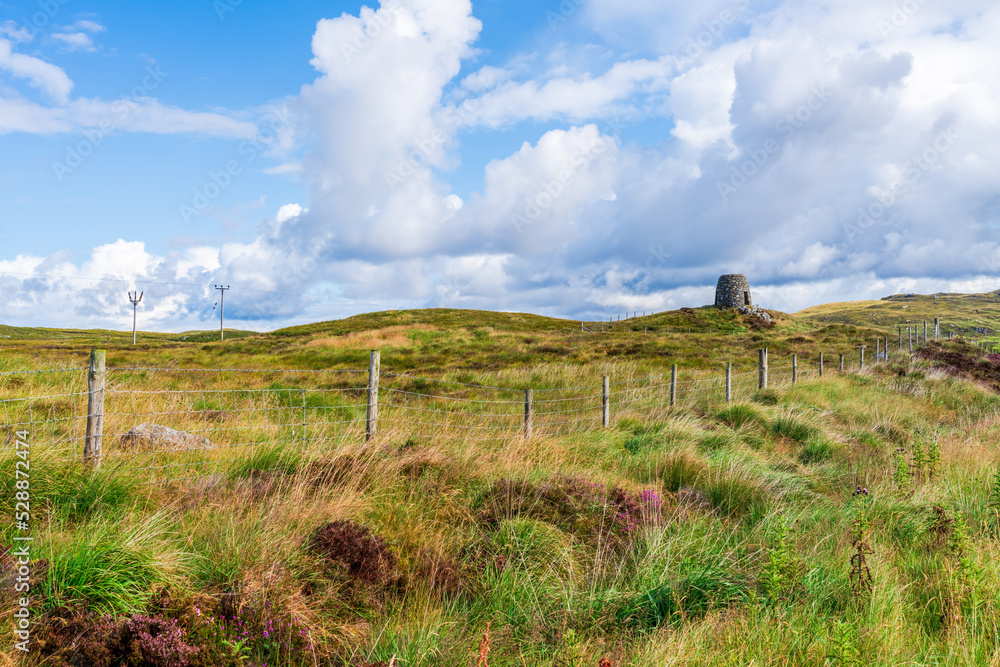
(135, 302)
(222, 309)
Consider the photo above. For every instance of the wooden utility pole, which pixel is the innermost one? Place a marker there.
(371, 421)
(529, 413)
(605, 401)
(762, 369)
(95, 408)
(673, 385)
(729, 382)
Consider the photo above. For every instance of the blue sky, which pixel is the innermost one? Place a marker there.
(578, 159)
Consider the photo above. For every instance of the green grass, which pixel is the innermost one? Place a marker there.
(702, 534)
(959, 313)
(106, 569)
(739, 415)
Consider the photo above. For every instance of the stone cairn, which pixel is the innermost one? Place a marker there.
(733, 291)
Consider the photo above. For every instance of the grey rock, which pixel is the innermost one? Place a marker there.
(162, 438)
(754, 311)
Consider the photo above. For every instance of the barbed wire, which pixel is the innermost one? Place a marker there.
(218, 423)
(236, 370)
(83, 369)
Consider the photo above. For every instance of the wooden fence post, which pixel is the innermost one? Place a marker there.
(900, 339)
(821, 364)
(861, 359)
(762, 369)
(673, 385)
(841, 363)
(909, 337)
(878, 349)
(795, 368)
(529, 413)
(605, 402)
(729, 382)
(371, 423)
(95, 408)
(925, 332)
(937, 328)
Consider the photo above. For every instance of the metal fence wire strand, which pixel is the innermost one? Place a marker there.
(171, 424)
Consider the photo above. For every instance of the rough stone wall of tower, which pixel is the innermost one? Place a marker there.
(733, 291)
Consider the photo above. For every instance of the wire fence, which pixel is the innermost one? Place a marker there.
(166, 424)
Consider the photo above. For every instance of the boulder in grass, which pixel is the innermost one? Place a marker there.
(161, 438)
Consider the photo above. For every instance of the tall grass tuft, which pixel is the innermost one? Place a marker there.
(739, 415)
(110, 571)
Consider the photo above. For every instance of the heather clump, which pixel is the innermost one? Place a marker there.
(72, 637)
(155, 642)
(259, 633)
(354, 549)
(65, 637)
(176, 633)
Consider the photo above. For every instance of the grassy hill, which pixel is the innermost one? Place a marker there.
(701, 534)
(438, 341)
(959, 313)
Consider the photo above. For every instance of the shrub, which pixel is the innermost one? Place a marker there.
(154, 642)
(68, 637)
(356, 550)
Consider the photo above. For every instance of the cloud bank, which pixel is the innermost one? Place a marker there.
(831, 150)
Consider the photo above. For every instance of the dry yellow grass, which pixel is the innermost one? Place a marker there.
(395, 336)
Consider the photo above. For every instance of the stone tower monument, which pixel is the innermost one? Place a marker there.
(733, 291)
